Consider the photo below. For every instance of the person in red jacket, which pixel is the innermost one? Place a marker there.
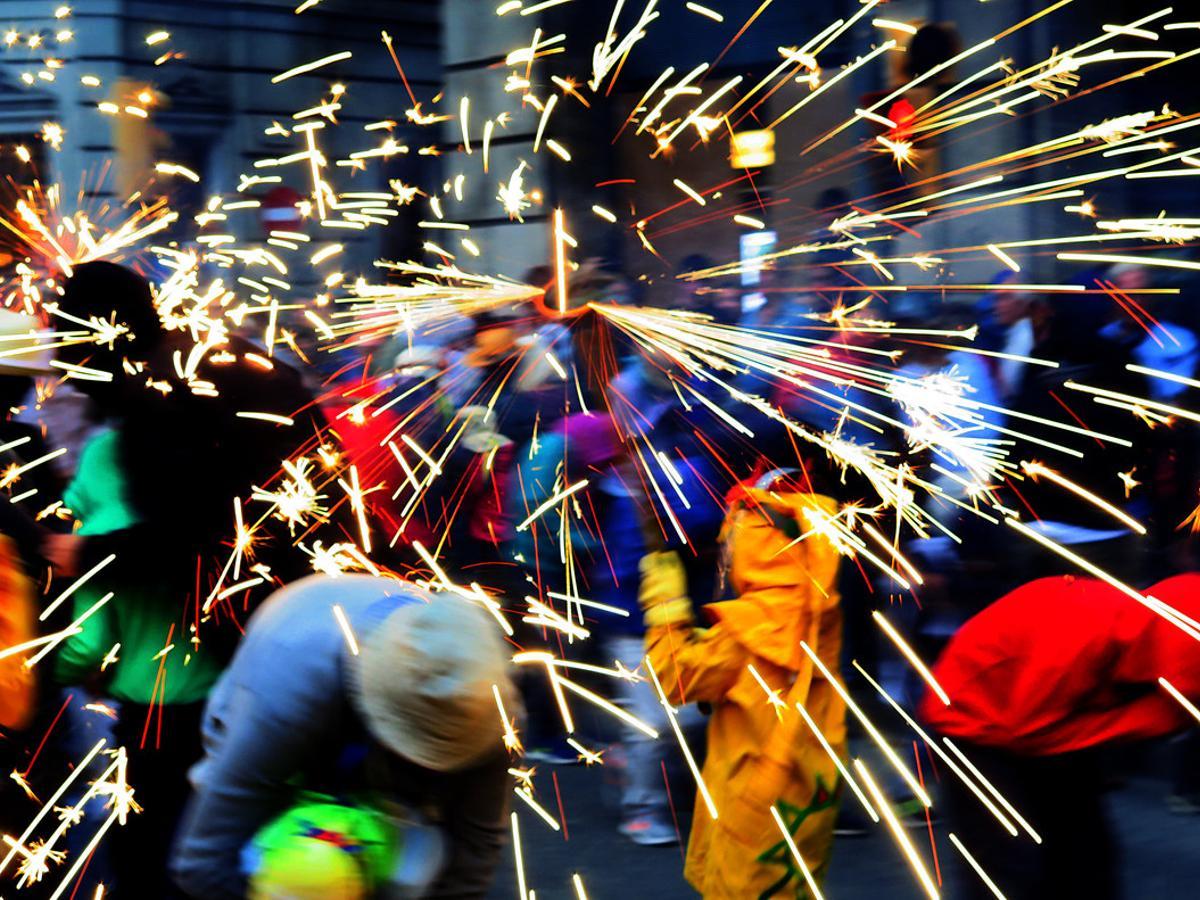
(1039, 683)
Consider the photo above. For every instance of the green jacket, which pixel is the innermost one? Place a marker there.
(139, 618)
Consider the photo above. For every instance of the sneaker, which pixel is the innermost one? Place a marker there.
(911, 813)
(648, 831)
(556, 752)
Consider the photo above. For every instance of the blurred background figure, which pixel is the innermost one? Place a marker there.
(1008, 329)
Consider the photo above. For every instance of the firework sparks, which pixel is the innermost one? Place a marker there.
(844, 361)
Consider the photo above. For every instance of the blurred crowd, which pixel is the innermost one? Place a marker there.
(357, 734)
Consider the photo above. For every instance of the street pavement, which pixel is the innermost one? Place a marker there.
(1160, 850)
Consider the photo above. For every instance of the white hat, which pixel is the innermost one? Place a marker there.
(418, 359)
(423, 683)
(480, 434)
(23, 349)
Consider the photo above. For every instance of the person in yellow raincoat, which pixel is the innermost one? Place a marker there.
(761, 753)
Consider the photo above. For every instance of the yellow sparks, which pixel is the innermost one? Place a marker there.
(1037, 470)
(1004, 257)
(958, 770)
(837, 761)
(1118, 259)
(157, 37)
(906, 846)
(464, 112)
(558, 150)
(880, 741)
(23, 785)
(347, 632)
(791, 843)
(974, 863)
(552, 501)
(358, 505)
(311, 66)
(167, 168)
(893, 25)
(875, 117)
(902, 151)
(74, 586)
(511, 742)
(687, 753)
(911, 655)
(527, 795)
(325, 253)
(688, 190)
(1184, 701)
(522, 891)
(772, 694)
(589, 757)
(705, 11)
(750, 222)
(512, 193)
(560, 262)
(267, 417)
(1128, 481)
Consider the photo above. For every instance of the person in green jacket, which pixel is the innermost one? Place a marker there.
(138, 645)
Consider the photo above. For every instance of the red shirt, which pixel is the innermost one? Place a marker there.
(1061, 664)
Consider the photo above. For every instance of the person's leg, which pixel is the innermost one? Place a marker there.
(157, 772)
(645, 814)
(1185, 759)
(1014, 863)
(1082, 853)
(544, 735)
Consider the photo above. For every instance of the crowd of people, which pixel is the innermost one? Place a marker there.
(357, 734)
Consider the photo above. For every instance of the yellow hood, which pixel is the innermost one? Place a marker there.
(781, 582)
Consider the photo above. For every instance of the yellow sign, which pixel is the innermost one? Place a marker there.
(752, 149)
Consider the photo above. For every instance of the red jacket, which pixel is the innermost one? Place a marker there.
(1061, 664)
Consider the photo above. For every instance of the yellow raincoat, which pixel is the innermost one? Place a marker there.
(762, 754)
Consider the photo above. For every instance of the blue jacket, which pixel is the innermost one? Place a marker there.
(279, 714)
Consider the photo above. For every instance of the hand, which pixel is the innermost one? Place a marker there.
(663, 579)
(62, 551)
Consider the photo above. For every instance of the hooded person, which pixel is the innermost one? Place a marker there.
(398, 700)
(1039, 683)
(153, 494)
(181, 443)
(1069, 330)
(783, 573)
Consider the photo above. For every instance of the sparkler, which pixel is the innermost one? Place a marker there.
(843, 361)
